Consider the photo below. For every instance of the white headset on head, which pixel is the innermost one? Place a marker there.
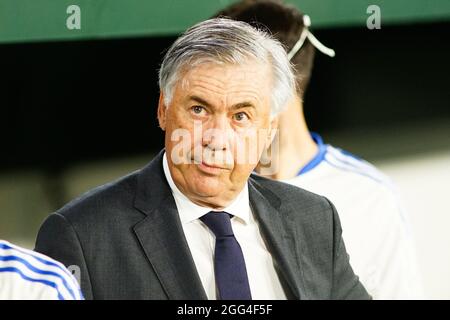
(306, 34)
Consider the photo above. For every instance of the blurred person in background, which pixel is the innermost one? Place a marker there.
(28, 275)
(375, 229)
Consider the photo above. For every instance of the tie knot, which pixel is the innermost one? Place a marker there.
(219, 223)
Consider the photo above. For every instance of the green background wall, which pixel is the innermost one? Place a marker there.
(34, 20)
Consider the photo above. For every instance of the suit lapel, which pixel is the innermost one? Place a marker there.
(279, 236)
(162, 238)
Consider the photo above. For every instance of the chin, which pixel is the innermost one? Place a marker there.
(209, 187)
(209, 191)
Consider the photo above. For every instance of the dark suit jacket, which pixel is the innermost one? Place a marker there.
(126, 237)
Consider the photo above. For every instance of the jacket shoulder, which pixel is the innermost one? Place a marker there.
(107, 199)
(290, 194)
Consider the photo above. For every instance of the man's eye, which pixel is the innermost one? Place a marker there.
(197, 109)
(241, 116)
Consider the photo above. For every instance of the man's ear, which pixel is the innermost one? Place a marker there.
(162, 108)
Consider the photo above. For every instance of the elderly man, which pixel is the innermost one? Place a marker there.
(194, 223)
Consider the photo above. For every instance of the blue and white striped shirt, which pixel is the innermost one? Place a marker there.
(28, 275)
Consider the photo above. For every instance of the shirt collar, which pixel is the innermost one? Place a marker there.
(189, 211)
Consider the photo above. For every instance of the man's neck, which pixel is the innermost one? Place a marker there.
(296, 146)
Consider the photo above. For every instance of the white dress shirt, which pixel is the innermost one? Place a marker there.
(263, 279)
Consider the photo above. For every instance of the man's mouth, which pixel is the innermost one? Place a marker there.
(210, 167)
(213, 165)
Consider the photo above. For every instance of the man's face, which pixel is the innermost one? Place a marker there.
(217, 126)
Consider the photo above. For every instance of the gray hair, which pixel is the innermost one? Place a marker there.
(222, 40)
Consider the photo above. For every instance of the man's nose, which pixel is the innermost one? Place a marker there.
(216, 138)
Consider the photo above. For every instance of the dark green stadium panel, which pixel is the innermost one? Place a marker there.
(44, 20)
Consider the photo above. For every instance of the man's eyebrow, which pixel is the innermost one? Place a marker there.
(245, 104)
(200, 100)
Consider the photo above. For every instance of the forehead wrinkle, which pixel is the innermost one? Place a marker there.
(204, 92)
(227, 76)
(223, 89)
(200, 77)
(237, 96)
(245, 96)
(216, 88)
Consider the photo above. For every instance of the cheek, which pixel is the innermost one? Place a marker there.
(240, 173)
(179, 133)
(248, 148)
(176, 118)
(200, 183)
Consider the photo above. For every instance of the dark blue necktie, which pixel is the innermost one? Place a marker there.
(229, 263)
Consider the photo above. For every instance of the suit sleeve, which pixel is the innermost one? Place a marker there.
(346, 285)
(58, 239)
